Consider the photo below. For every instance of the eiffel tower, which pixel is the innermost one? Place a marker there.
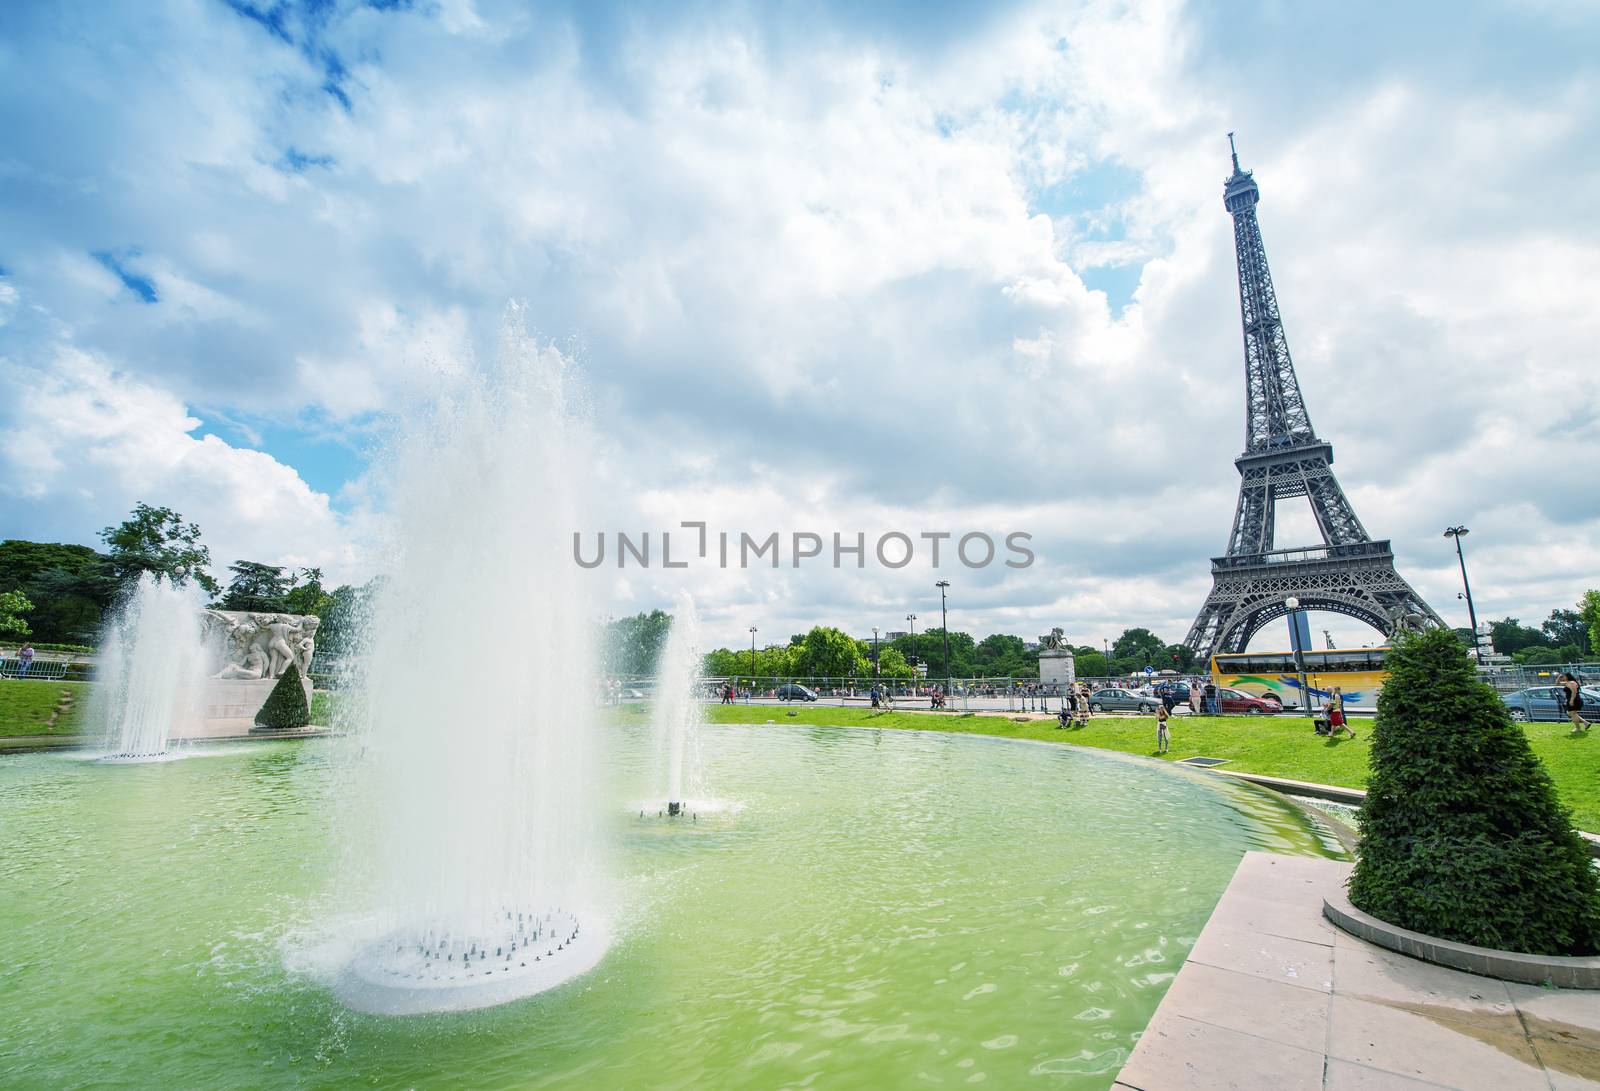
(1349, 573)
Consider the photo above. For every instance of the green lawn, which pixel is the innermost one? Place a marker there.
(1273, 747)
(26, 707)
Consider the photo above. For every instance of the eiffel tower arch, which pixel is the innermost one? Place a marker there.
(1349, 573)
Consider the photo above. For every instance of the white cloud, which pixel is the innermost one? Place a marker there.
(88, 443)
(823, 275)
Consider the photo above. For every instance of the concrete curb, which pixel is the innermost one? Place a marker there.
(1564, 972)
(1350, 796)
(29, 744)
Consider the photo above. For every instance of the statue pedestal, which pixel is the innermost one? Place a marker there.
(228, 706)
(1057, 667)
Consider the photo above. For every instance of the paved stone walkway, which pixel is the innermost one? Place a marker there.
(1274, 997)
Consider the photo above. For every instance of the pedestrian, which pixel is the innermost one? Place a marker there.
(1194, 696)
(25, 661)
(727, 693)
(1336, 720)
(1163, 735)
(1210, 703)
(1572, 694)
(1080, 704)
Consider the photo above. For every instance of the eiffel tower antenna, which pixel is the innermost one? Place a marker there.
(1348, 573)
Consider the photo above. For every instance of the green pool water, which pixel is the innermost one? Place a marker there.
(878, 910)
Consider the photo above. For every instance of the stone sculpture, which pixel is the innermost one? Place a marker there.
(1402, 621)
(260, 646)
(1056, 640)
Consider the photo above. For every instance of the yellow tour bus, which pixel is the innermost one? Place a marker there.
(1358, 672)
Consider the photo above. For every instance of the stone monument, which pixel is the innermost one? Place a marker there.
(249, 652)
(1056, 663)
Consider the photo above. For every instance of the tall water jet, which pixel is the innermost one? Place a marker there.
(152, 668)
(478, 702)
(678, 708)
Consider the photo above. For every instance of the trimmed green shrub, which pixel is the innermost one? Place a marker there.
(285, 708)
(1462, 835)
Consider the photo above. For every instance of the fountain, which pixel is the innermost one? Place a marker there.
(677, 717)
(152, 668)
(473, 751)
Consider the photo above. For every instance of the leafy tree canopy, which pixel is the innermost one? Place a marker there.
(1589, 611)
(633, 644)
(13, 605)
(1567, 627)
(305, 594)
(827, 652)
(158, 540)
(69, 586)
(257, 587)
(1142, 648)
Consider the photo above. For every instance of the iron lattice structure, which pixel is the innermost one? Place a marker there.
(1349, 573)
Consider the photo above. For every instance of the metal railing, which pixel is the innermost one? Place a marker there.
(40, 670)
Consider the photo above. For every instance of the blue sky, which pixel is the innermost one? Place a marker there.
(955, 264)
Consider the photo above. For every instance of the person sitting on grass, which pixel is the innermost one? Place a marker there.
(1163, 735)
(1336, 720)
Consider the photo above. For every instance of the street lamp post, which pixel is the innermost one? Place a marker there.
(752, 663)
(1105, 644)
(875, 653)
(1472, 615)
(1299, 653)
(913, 619)
(944, 622)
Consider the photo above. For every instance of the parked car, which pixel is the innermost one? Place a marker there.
(1235, 701)
(1544, 702)
(794, 691)
(1122, 700)
(1178, 690)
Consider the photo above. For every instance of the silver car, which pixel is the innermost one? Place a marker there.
(1121, 700)
(1545, 703)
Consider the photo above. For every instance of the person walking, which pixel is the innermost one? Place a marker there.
(1336, 718)
(727, 693)
(1194, 696)
(1573, 694)
(1210, 702)
(25, 660)
(1163, 733)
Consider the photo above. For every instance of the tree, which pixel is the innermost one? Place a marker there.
(1002, 656)
(633, 644)
(1536, 655)
(256, 587)
(1141, 648)
(1462, 834)
(70, 586)
(891, 664)
(1589, 610)
(158, 540)
(1180, 657)
(285, 708)
(827, 652)
(343, 615)
(1567, 627)
(725, 663)
(13, 605)
(305, 595)
(1510, 636)
(1091, 665)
